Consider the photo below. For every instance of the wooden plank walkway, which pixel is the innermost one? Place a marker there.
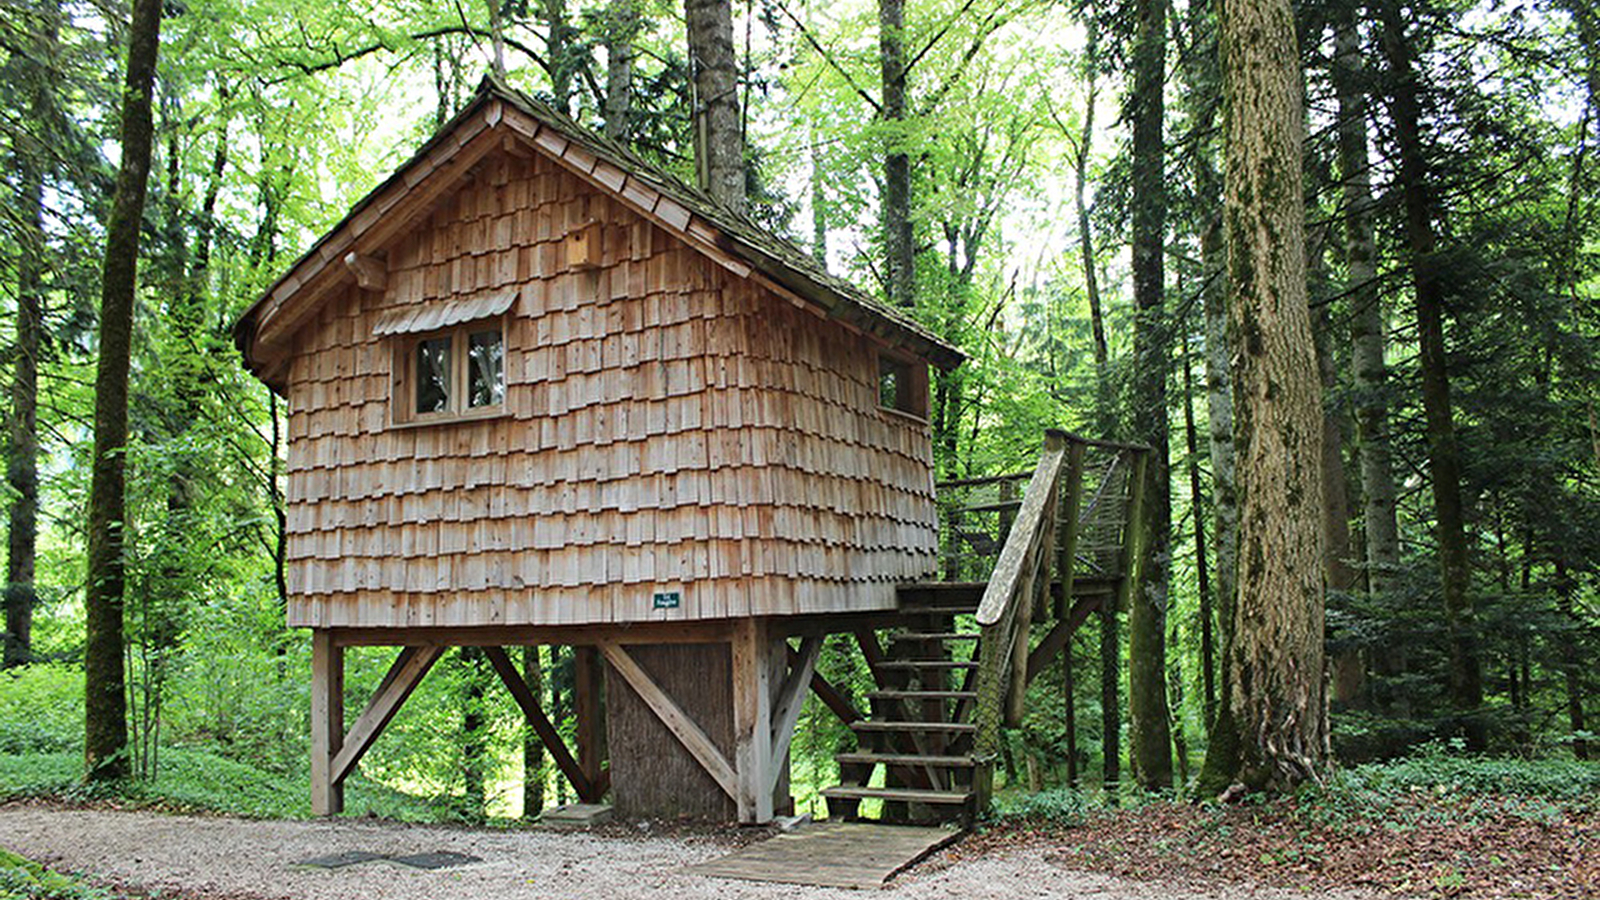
(833, 854)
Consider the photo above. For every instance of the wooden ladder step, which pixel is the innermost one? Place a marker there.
(907, 636)
(905, 759)
(928, 664)
(878, 725)
(907, 795)
(940, 609)
(922, 695)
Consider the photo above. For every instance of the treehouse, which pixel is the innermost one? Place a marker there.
(539, 392)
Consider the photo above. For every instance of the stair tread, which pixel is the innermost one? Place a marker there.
(928, 664)
(923, 695)
(907, 759)
(909, 795)
(936, 636)
(879, 725)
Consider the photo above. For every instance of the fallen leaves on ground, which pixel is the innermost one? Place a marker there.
(1420, 846)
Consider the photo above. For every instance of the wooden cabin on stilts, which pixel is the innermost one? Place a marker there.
(540, 392)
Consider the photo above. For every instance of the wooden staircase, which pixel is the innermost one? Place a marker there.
(920, 735)
(957, 664)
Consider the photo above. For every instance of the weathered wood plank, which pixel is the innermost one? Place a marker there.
(791, 699)
(409, 667)
(752, 720)
(327, 722)
(589, 790)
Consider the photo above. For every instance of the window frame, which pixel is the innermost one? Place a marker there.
(911, 386)
(403, 386)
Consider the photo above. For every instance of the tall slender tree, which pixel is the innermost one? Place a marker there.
(1151, 736)
(1444, 454)
(105, 708)
(31, 161)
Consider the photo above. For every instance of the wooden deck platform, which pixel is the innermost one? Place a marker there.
(833, 854)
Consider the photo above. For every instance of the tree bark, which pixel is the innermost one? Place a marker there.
(1349, 664)
(1572, 661)
(622, 26)
(898, 243)
(105, 707)
(532, 746)
(1444, 458)
(1202, 567)
(559, 37)
(1150, 736)
(1276, 705)
(31, 159)
(1368, 333)
(719, 149)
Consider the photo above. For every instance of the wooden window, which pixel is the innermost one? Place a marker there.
(903, 386)
(454, 373)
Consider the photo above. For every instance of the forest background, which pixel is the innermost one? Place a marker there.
(1039, 181)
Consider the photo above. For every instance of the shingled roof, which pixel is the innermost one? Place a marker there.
(499, 113)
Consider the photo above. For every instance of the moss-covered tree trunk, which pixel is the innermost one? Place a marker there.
(621, 29)
(105, 706)
(1150, 736)
(898, 245)
(719, 142)
(1444, 455)
(31, 161)
(1275, 714)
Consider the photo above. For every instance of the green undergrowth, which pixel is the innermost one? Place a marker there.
(197, 781)
(1437, 786)
(24, 879)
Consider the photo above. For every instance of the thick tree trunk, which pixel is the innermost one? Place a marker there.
(1572, 661)
(898, 243)
(1444, 457)
(1276, 696)
(105, 707)
(719, 148)
(22, 462)
(1151, 738)
(622, 26)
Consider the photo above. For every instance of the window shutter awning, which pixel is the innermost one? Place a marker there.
(432, 315)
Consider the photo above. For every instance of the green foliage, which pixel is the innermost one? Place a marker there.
(41, 709)
(24, 879)
(1058, 807)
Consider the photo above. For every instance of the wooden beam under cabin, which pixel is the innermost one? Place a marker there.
(589, 711)
(791, 699)
(752, 720)
(590, 790)
(327, 722)
(402, 678)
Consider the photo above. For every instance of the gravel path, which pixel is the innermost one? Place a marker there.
(254, 860)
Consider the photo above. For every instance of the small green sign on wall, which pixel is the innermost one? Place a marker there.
(668, 600)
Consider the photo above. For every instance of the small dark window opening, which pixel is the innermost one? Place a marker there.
(433, 375)
(900, 388)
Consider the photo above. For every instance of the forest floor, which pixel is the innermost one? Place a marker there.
(1420, 843)
(1423, 845)
(140, 853)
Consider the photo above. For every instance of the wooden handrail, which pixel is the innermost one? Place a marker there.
(1026, 532)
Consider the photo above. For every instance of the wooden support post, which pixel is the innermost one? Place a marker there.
(589, 790)
(327, 722)
(828, 694)
(791, 699)
(587, 705)
(402, 678)
(752, 721)
(1067, 548)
